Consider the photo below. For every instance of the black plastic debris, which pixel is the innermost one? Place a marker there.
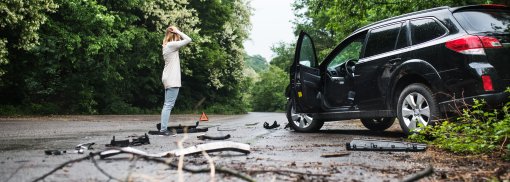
(205, 137)
(78, 149)
(118, 143)
(142, 140)
(384, 145)
(180, 129)
(55, 152)
(287, 126)
(275, 125)
(170, 128)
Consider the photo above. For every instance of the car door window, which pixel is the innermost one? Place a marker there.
(382, 40)
(424, 30)
(307, 54)
(351, 51)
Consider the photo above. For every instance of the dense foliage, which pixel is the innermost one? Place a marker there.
(268, 92)
(97, 56)
(476, 131)
(256, 62)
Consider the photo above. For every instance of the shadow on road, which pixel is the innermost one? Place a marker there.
(364, 133)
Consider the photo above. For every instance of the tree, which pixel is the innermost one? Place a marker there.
(269, 93)
(284, 56)
(216, 74)
(19, 24)
(100, 56)
(256, 62)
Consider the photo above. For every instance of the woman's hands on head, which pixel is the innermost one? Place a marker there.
(173, 29)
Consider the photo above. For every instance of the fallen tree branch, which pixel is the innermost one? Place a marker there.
(338, 154)
(102, 171)
(211, 165)
(281, 171)
(208, 147)
(415, 177)
(218, 169)
(63, 165)
(181, 157)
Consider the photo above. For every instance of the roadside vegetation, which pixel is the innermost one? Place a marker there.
(104, 57)
(476, 131)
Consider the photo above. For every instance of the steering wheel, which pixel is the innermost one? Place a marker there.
(349, 67)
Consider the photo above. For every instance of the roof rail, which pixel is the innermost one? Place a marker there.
(404, 15)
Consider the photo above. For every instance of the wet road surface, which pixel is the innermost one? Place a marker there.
(276, 154)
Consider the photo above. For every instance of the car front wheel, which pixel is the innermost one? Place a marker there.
(302, 122)
(416, 108)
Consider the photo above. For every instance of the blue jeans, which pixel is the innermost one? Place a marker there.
(170, 97)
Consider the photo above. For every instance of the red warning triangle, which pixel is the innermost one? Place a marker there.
(204, 117)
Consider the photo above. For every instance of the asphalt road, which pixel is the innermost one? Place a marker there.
(277, 154)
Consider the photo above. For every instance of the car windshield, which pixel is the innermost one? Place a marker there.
(476, 21)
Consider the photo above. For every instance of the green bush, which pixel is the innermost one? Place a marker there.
(268, 94)
(477, 131)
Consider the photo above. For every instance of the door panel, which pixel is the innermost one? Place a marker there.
(305, 76)
(373, 71)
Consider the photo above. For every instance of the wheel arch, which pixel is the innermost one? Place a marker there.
(413, 71)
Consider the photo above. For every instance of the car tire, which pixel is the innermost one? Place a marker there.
(377, 124)
(416, 104)
(301, 122)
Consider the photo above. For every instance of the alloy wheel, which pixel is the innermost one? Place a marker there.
(300, 119)
(415, 111)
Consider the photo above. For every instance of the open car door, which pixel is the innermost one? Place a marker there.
(305, 76)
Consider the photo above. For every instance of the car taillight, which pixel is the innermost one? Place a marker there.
(473, 45)
(487, 83)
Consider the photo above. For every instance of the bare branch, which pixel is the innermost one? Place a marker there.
(65, 164)
(181, 157)
(102, 171)
(211, 164)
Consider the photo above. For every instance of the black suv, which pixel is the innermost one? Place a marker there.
(415, 67)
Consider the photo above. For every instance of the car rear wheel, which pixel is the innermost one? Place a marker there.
(302, 122)
(377, 124)
(416, 108)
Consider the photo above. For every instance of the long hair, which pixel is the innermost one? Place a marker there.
(170, 36)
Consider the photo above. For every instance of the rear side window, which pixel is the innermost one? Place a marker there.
(382, 40)
(424, 30)
(475, 21)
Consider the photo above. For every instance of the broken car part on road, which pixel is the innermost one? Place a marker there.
(208, 147)
(205, 137)
(79, 149)
(142, 140)
(180, 129)
(275, 125)
(170, 128)
(384, 145)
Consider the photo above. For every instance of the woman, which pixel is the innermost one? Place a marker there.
(171, 77)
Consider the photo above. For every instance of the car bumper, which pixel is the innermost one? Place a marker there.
(493, 100)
